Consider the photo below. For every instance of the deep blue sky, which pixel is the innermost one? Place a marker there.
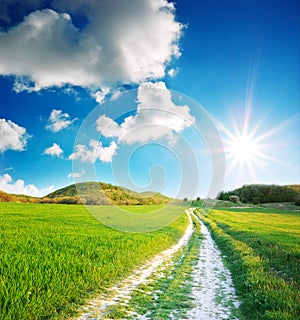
(227, 43)
(239, 60)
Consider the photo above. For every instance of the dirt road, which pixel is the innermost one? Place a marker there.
(212, 294)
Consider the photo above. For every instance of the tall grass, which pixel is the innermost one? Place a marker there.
(53, 257)
(263, 254)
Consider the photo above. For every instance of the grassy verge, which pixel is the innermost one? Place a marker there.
(168, 293)
(54, 257)
(263, 250)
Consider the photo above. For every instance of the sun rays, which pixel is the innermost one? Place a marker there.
(249, 148)
(243, 149)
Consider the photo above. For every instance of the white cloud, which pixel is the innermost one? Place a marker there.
(115, 94)
(54, 151)
(100, 95)
(19, 187)
(76, 174)
(95, 152)
(157, 117)
(58, 120)
(123, 42)
(12, 136)
(172, 72)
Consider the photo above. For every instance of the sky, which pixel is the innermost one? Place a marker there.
(186, 98)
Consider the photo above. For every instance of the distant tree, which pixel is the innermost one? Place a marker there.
(220, 195)
(261, 193)
(223, 196)
(198, 199)
(295, 187)
(185, 199)
(297, 200)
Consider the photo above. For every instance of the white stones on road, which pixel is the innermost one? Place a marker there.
(212, 288)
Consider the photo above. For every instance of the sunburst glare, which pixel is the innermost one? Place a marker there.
(243, 148)
(247, 149)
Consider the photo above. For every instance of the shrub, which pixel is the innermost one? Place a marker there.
(234, 199)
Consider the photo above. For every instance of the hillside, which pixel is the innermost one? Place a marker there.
(8, 197)
(261, 193)
(92, 193)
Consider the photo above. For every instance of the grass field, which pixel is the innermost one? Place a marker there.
(262, 247)
(53, 257)
(140, 218)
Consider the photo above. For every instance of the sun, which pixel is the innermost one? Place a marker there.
(244, 148)
(250, 148)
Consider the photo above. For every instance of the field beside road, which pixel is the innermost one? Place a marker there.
(54, 257)
(262, 250)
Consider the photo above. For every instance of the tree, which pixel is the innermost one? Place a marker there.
(297, 200)
(262, 193)
(220, 195)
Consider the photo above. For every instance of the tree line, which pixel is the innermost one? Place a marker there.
(261, 193)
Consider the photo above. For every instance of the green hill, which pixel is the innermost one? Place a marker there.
(93, 193)
(8, 197)
(100, 193)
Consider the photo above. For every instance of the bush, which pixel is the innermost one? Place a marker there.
(234, 199)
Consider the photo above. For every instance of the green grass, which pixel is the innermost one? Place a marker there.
(54, 257)
(137, 218)
(263, 250)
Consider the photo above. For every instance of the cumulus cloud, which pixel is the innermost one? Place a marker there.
(94, 152)
(157, 117)
(54, 151)
(172, 72)
(12, 136)
(122, 42)
(58, 120)
(19, 187)
(76, 174)
(100, 95)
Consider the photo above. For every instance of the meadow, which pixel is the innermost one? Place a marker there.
(139, 218)
(262, 251)
(54, 257)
